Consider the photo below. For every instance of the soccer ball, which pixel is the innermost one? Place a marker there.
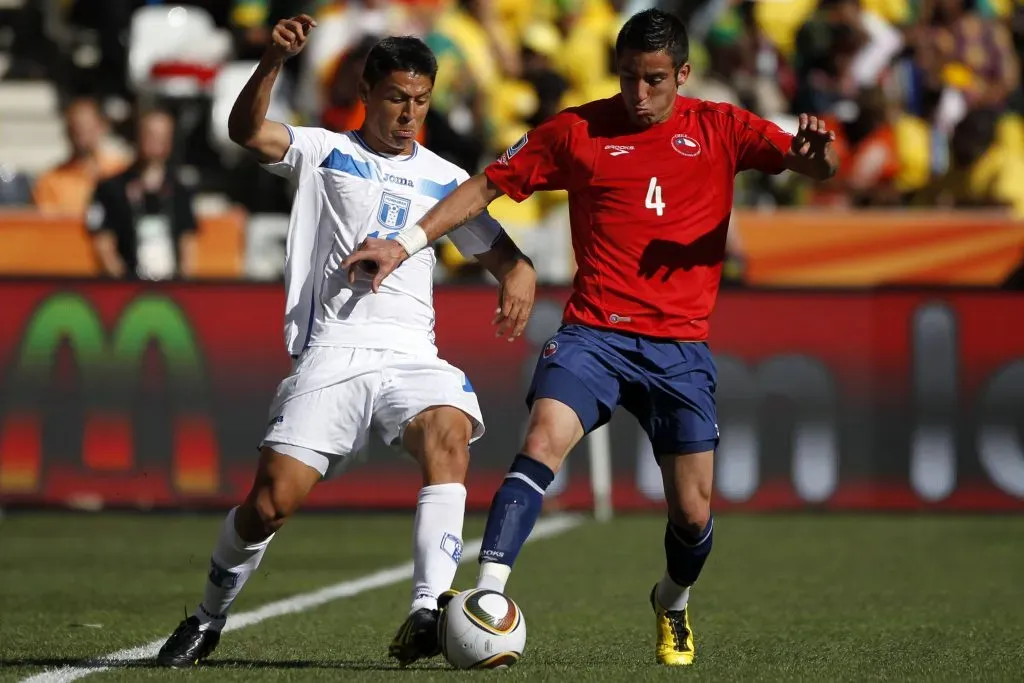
(482, 629)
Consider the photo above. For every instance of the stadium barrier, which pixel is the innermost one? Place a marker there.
(42, 245)
(142, 396)
(783, 248)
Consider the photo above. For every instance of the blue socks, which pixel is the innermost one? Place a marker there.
(685, 554)
(514, 510)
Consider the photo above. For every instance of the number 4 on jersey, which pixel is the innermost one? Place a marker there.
(654, 197)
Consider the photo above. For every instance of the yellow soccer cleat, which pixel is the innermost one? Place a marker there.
(675, 638)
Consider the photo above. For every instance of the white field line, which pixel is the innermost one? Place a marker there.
(545, 528)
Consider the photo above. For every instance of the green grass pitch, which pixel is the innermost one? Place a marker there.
(808, 598)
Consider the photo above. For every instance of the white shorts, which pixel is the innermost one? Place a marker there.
(324, 410)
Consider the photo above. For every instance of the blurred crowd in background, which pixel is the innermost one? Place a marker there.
(925, 97)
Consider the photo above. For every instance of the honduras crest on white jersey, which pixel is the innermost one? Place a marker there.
(345, 193)
(393, 212)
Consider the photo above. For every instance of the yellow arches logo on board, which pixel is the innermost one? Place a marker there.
(109, 370)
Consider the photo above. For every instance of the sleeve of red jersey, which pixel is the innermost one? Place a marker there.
(538, 161)
(759, 145)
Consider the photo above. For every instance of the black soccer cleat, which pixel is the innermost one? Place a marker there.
(444, 598)
(416, 637)
(188, 645)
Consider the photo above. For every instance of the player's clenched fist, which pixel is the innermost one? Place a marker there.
(289, 37)
(375, 257)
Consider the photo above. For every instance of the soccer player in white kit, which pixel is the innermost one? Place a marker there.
(364, 361)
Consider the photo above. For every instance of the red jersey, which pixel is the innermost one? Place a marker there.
(648, 208)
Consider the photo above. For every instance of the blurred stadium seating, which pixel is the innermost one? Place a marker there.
(924, 94)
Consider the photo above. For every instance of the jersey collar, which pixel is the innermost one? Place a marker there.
(398, 157)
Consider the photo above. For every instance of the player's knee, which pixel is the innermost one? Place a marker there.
(540, 446)
(274, 508)
(271, 506)
(691, 513)
(546, 445)
(441, 444)
(554, 430)
(279, 489)
(448, 458)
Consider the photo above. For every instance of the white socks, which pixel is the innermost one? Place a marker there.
(437, 542)
(437, 550)
(231, 564)
(493, 576)
(671, 595)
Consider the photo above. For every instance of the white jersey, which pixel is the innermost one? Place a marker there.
(345, 193)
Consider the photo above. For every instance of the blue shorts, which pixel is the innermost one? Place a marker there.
(668, 386)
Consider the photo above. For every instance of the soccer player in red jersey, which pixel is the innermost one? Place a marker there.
(650, 182)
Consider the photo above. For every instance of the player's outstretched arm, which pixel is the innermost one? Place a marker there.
(461, 206)
(382, 257)
(811, 153)
(247, 124)
(517, 285)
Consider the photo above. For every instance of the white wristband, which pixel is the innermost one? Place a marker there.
(412, 239)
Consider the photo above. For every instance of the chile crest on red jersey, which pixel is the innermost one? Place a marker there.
(685, 145)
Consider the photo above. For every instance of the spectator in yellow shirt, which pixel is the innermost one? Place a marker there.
(982, 172)
(586, 56)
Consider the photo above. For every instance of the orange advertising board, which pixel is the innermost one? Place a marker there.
(789, 248)
(867, 248)
(34, 244)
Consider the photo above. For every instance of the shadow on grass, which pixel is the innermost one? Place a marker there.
(263, 664)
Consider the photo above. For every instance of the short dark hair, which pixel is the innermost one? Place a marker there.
(653, 30)
(399, 53)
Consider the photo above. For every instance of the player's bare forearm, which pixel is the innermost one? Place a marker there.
(458, 208)
(247, 123)
(503, 256)
(517, 285)
(384, 256)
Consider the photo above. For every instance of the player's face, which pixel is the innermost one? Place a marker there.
(648, 82)
(395, 110)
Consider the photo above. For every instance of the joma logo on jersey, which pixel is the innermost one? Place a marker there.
(393, 211)
(398, 180)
